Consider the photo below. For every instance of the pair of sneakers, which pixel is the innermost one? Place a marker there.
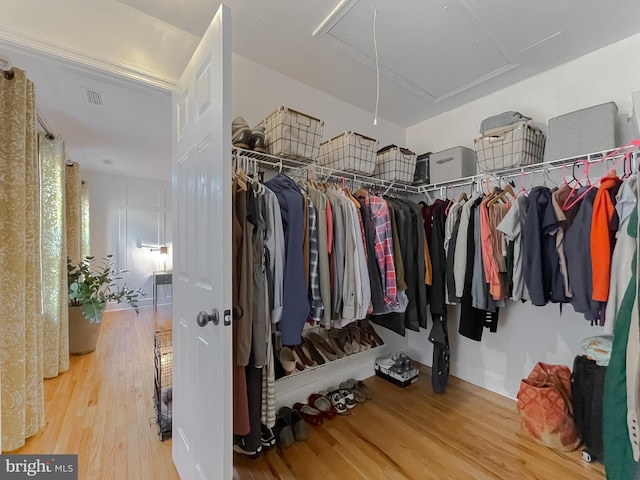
(243, 136)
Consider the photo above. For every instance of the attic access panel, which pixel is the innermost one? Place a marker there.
(435, 49)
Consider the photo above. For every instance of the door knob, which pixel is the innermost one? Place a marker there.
(203, 318)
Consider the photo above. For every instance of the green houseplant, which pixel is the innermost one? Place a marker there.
(92, 283)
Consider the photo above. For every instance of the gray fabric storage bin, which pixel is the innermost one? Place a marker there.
(451, 164)
(584, 131)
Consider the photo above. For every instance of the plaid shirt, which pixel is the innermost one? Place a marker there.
(384, 246)
(315, 299)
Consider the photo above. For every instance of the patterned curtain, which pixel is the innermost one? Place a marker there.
(55, 294)
(86, 245)
(73, 198)
(21, 365)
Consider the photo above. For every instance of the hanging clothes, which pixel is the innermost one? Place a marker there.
(460, 255)
(622, 253)
(256, 217)
(512, 227)
(274, 254)
(320, 203)
(474, 320)
(245, 324)
(578, 252)
(240, 405)
(338, 253)
(315, 297)
(618, 454)
(541, 266)
(295, 309)
(602, 237)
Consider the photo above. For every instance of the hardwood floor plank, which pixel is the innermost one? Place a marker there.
(102, 409)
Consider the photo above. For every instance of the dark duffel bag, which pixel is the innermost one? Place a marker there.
(587, 387)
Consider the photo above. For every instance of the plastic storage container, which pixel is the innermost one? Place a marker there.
(451, 164)
(513, 146)
(421, 175)
(584, 131)
(395, 164)
(294, 135)
(349, 152)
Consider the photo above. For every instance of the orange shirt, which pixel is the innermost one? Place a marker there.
(601, 247)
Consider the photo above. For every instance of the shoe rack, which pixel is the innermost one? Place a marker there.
(297, 386)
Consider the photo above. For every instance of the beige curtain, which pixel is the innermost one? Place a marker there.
(86, 244)
(21, 339)
(55, 295)
(73, 199)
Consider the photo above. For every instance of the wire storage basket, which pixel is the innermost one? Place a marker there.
(517, 145)
(163, 394)
(349, 152)
(395, 164)
(294, 135)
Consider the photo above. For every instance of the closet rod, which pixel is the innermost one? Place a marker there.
(296, 167)
(549, 165)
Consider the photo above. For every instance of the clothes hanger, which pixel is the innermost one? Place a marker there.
(523, 190)
(626, 151)
(501, 195)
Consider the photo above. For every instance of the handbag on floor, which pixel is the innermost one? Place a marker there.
(544, 405)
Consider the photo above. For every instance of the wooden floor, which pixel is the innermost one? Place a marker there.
(102, 409)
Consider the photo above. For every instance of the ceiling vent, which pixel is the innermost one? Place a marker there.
(94, 97)
(107, 161)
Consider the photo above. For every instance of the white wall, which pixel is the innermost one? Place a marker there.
(527, 334)
(609, 74)
(124, 213)
(258, 91)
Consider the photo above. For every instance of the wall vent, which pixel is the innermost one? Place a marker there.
(94, 97)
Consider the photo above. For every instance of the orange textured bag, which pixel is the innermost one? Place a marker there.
(544, 405)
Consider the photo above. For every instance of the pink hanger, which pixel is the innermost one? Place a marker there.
(626, 151)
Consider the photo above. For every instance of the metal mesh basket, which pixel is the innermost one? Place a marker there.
(294, 135)
(513, 146)
(349, 152)
(163, 395)
(395, 164)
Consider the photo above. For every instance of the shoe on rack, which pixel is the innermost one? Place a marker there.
(345, 341)
(372, 331)
(240, 133)
(257, 141)
(312, 352)
(302, 357)
(335, 343)
(239, 445)
(322, 345)
(288, 361)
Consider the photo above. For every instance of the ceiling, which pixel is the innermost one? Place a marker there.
(432, 56)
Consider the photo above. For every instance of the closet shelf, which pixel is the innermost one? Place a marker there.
(250, 161)
(527, 169)
(330, 364)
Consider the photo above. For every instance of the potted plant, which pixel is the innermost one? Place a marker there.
(92, 283)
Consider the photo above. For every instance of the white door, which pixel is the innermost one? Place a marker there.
(202, 368)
